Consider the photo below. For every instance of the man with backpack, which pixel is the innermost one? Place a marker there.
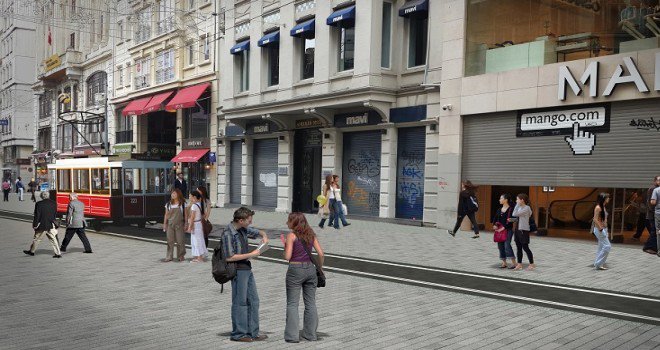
(244, 297)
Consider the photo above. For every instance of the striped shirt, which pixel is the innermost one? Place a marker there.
(235, 241)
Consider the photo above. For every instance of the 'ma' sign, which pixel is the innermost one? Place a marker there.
(590, 77)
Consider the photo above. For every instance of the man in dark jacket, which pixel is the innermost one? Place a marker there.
(651, 245)
(44, 223)
(181, 184)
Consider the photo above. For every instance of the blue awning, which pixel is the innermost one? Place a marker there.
(268, 39)
(304, 29)
(415, 8)
(240, 47)
(344, 15)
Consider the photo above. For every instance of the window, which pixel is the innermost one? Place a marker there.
(81, 180)
(143, 73)
(143, 26)
(115, 175)
(197, 120)
(6, 129)
(156, 181)
(191, 4)
(128, 74)
(120, 30)
(63, 180)
(94, 131)
(66, 138)
(166, 16)
(96, 84)
(43, 139)
(386, 36)
(10, 154)
(417, 39)
(120, 71)
(243, 59)
(191, 54)
(101, 28)
(273, 52)
(346, 48)
(308, 48)
(124, 132)
(165, 66)
(45, 104)
(92, 35)
(72, 41)
(206, 47)
(73, 6)
(132, 180)
(161, 129)
(100, 181)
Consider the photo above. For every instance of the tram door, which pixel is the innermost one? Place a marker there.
(133, 197)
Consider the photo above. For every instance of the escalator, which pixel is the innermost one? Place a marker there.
(573, 212)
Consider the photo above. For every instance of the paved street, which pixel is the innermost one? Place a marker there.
(122, 296)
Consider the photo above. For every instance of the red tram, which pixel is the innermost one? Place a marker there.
(124, 192)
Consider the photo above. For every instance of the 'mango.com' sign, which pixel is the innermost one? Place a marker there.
(553, 122)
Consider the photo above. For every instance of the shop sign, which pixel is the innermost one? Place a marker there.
(579, 126)
(590, 76)
(123, 149)
(261, 128)
(308, 123)
(357, 119)
(156, 152)
(203, 142)
(23, 161)
(52, 62)
(83, 151)
(233, 130)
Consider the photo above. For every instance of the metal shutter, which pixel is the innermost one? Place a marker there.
(492, 154)
(361, 170)
(411, 147)
(235, 170)
(264, 188)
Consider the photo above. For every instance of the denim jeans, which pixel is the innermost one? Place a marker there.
(604, 246)
(244, 306)
(301, 276)
(506, 250)
(652, 242)
(657, 224)
(339, 213)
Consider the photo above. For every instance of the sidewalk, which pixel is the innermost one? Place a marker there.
(558, 260)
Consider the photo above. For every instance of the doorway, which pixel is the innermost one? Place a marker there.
(307, 170)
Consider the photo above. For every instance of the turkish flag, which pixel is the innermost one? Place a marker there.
(50, 37)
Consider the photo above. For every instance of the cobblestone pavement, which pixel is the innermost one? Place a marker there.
(123, 297)
(562, 261)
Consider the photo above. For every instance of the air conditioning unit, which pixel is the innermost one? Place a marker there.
(99, 98)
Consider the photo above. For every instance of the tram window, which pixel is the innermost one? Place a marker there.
(64, 180)
(132, 180)
(156, 181)
(116, 181)
(100, 181)
(81, 180)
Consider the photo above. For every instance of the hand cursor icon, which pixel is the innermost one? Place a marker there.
(582, 142)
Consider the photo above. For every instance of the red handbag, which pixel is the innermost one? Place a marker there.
(500, 233)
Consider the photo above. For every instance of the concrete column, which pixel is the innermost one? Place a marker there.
(223, 167)
(432, 184)
(285, 182)
(246, 170)
(388, 157)
(331, 153)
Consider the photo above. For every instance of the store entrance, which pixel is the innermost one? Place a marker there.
(306, 170)
(195, 175)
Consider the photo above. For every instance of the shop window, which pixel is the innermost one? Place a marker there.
(197, 119)
(243, 61)
(346, 53)
(273, 52)
(308, 48)
(81, 180)
(511, 34)
(386, 36)
(132, 181)
(100, 181)
(161, 128)
(156, 181)
(417, 40)
(124, 132)
(64, 180)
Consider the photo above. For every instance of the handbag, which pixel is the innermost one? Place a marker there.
(501, 231)
(320, 276)
(207, 227)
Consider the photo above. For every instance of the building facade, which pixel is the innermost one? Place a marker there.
(17, 74)
(331, 87)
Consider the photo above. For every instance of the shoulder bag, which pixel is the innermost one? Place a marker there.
(501, 231)
(207, 227)
(320, 276)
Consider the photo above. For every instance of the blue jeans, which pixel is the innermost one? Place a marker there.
(604, 247)
(506, 250)
(244, 306)
(301, 277)
(339, 213)
(651, 243)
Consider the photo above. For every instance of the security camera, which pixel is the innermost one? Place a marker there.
(446, 107)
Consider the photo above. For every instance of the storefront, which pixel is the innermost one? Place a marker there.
(307, 180)
(264, 164)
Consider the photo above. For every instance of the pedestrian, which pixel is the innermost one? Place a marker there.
(181, 184)
(467, 206)
(337, 205)
(6, 188)
(32, 187)
(75, 224)
(326, 210)
(199, 251)
(651, 245)
(501, 217)
(655, 198)
(640, 203)
(244, 296)
(206, 208)
(20, 188)
(44, 223)
(522, 212)
(600, 230)
(173, 224)
(301, 275)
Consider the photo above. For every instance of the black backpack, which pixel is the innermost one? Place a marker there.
(222, 270)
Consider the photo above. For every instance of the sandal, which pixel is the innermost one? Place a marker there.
(167, 260)
(476, 236)
(517, 268)
(503, 266)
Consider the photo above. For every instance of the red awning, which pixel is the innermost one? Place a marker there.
(135, 107)
(187, 97)
(156, 103)
(189, 155)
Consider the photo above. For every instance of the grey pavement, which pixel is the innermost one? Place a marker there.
(558, 260)
(123, 297)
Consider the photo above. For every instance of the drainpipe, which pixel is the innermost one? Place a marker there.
(426, 66)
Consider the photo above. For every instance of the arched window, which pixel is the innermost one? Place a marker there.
(96, 83)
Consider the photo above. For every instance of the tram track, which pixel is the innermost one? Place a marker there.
(618, 305)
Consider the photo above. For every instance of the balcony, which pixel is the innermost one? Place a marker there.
(125, 136)
(54, 67)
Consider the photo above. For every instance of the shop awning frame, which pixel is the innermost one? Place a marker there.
(240, 47)
(135, 107)
(417, 8)
(305, 30)
(156, 102)
(272, 38)
(190, 155)
(187, 97)
(344, 17)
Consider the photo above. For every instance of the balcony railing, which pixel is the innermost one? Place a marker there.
(124, 136)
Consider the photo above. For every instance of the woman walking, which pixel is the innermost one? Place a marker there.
(206, 208)
(6, 188)
(326, 209)
(501, 222)
(522, 212)
(301, 275)
(336, 203)
(467, 206)
(600, 230)
(32, 187)
(173, 224)
(199, 251)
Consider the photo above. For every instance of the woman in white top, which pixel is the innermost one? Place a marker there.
(326, 210)
(335, 203)
(206, 208)
(199, 251)
(523, 212)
